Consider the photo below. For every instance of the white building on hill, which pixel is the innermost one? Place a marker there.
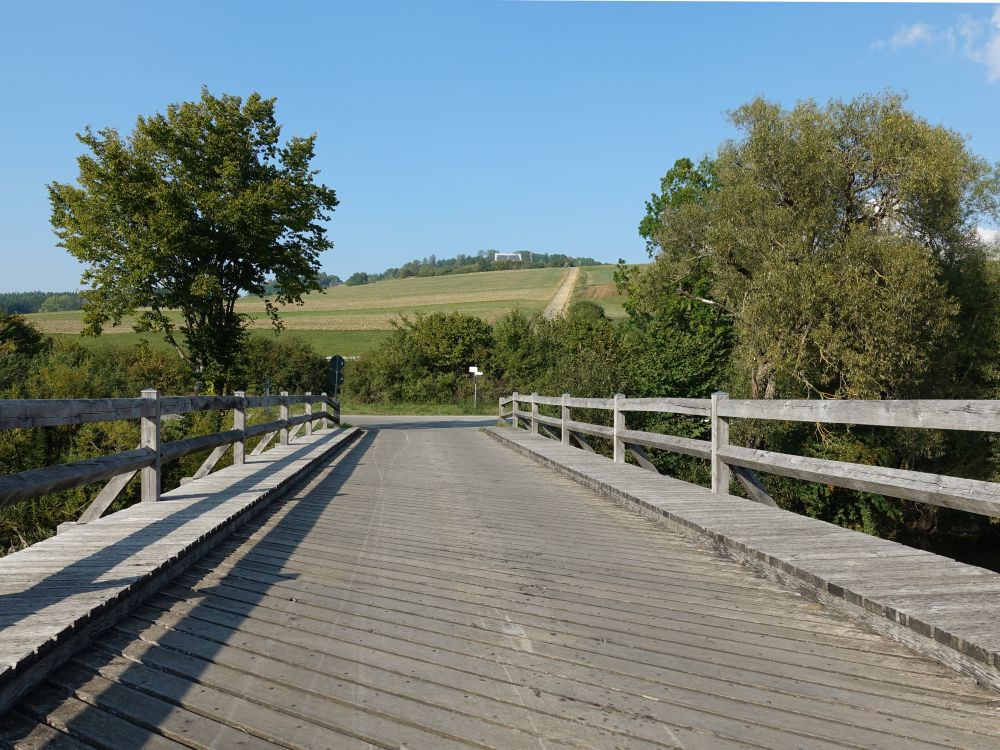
(506, 256)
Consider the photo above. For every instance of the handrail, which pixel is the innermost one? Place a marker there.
(151, 454)
(729, 461)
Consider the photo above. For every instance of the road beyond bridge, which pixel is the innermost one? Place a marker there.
(429, 587)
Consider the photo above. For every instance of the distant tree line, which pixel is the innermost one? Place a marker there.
(324, 280)
(462, 263)
(24, 303)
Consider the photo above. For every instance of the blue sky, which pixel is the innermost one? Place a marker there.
(450, 127)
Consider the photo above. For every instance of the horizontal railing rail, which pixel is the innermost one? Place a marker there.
(149, 457)
(729, 461)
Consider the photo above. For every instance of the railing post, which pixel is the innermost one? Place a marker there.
(619, 428)
(149, 437)
(500, 409)
(283, 416)
(513, 409)
(309, 411)
(721, 473)
(240, 423)
(534, 413)
(565, 419)
(325, 423)
(336, 411)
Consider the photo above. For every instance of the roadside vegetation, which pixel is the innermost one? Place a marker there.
(829, 251)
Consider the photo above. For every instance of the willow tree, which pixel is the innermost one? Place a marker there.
(193, 209)
(841, 242)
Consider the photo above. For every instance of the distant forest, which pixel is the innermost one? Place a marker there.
(33, 302)
(462, 263)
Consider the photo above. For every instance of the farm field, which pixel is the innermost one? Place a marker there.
(349, 320)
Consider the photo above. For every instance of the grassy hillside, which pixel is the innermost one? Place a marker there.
(349, 320)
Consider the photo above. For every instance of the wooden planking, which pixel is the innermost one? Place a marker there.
(50, 601)
(177, 448)
(25, 413)
(590, 429)
(589, 403)
(687, 446)
(699, 407)
(430, 591)
(970, 495)
(26, 485)
(959, 631)
(186, 404)
(926, 413)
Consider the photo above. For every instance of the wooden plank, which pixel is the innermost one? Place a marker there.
(107, 496)
(262, 429)
(26, 485)
(672, 443)
(534, 398)
(262, 445)
(700, 407)
(176, 448)
(187, 404)
(551, 421)
(26, 413)
(589, 403)
(980, 415)
(590, 429)
(755, 490)
(641, 457)
(970, 495)
(213, 458)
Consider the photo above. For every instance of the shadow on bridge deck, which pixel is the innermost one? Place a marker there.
(434, 590)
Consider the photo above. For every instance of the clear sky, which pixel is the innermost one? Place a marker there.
(450, 127)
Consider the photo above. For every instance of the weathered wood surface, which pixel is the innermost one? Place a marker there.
(55, 594)
(700, 407)
(938, 606)
(186, 404)
(177, 448)
(106, 496)
(926, 413)
(25, 413)
(970, 495)
(687, 446)
(434, 592)
(38, 482)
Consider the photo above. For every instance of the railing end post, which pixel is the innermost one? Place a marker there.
(309, 410)
(513, 409)
(534, 412)
(283, 416)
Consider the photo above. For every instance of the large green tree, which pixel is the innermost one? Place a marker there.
(194, 208)
(840, 240)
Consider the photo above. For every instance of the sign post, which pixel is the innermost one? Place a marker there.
(474, 369)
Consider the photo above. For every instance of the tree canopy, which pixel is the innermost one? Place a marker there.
(841, 242)
(193, 208)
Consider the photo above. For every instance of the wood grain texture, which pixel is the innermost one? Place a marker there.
(981, 416)
(432, 591)
(56, 594)
(26, 413)
(935, 605)
(969, 495)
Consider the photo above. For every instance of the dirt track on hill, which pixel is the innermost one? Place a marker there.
(560, 300)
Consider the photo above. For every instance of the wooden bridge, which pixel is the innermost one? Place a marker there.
(444, 583)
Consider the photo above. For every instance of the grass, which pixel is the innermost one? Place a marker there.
(597, 283)
(486, 408)
(350, 320)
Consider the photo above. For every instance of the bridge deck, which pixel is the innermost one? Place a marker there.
(432, 589)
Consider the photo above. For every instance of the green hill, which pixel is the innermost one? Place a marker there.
(352, 319)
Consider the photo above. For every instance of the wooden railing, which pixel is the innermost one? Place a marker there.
(150, 455)
(729, 461)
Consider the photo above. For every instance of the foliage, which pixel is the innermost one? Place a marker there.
(32, 302)
(191, 209)
(462, 263)
(33, 366)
